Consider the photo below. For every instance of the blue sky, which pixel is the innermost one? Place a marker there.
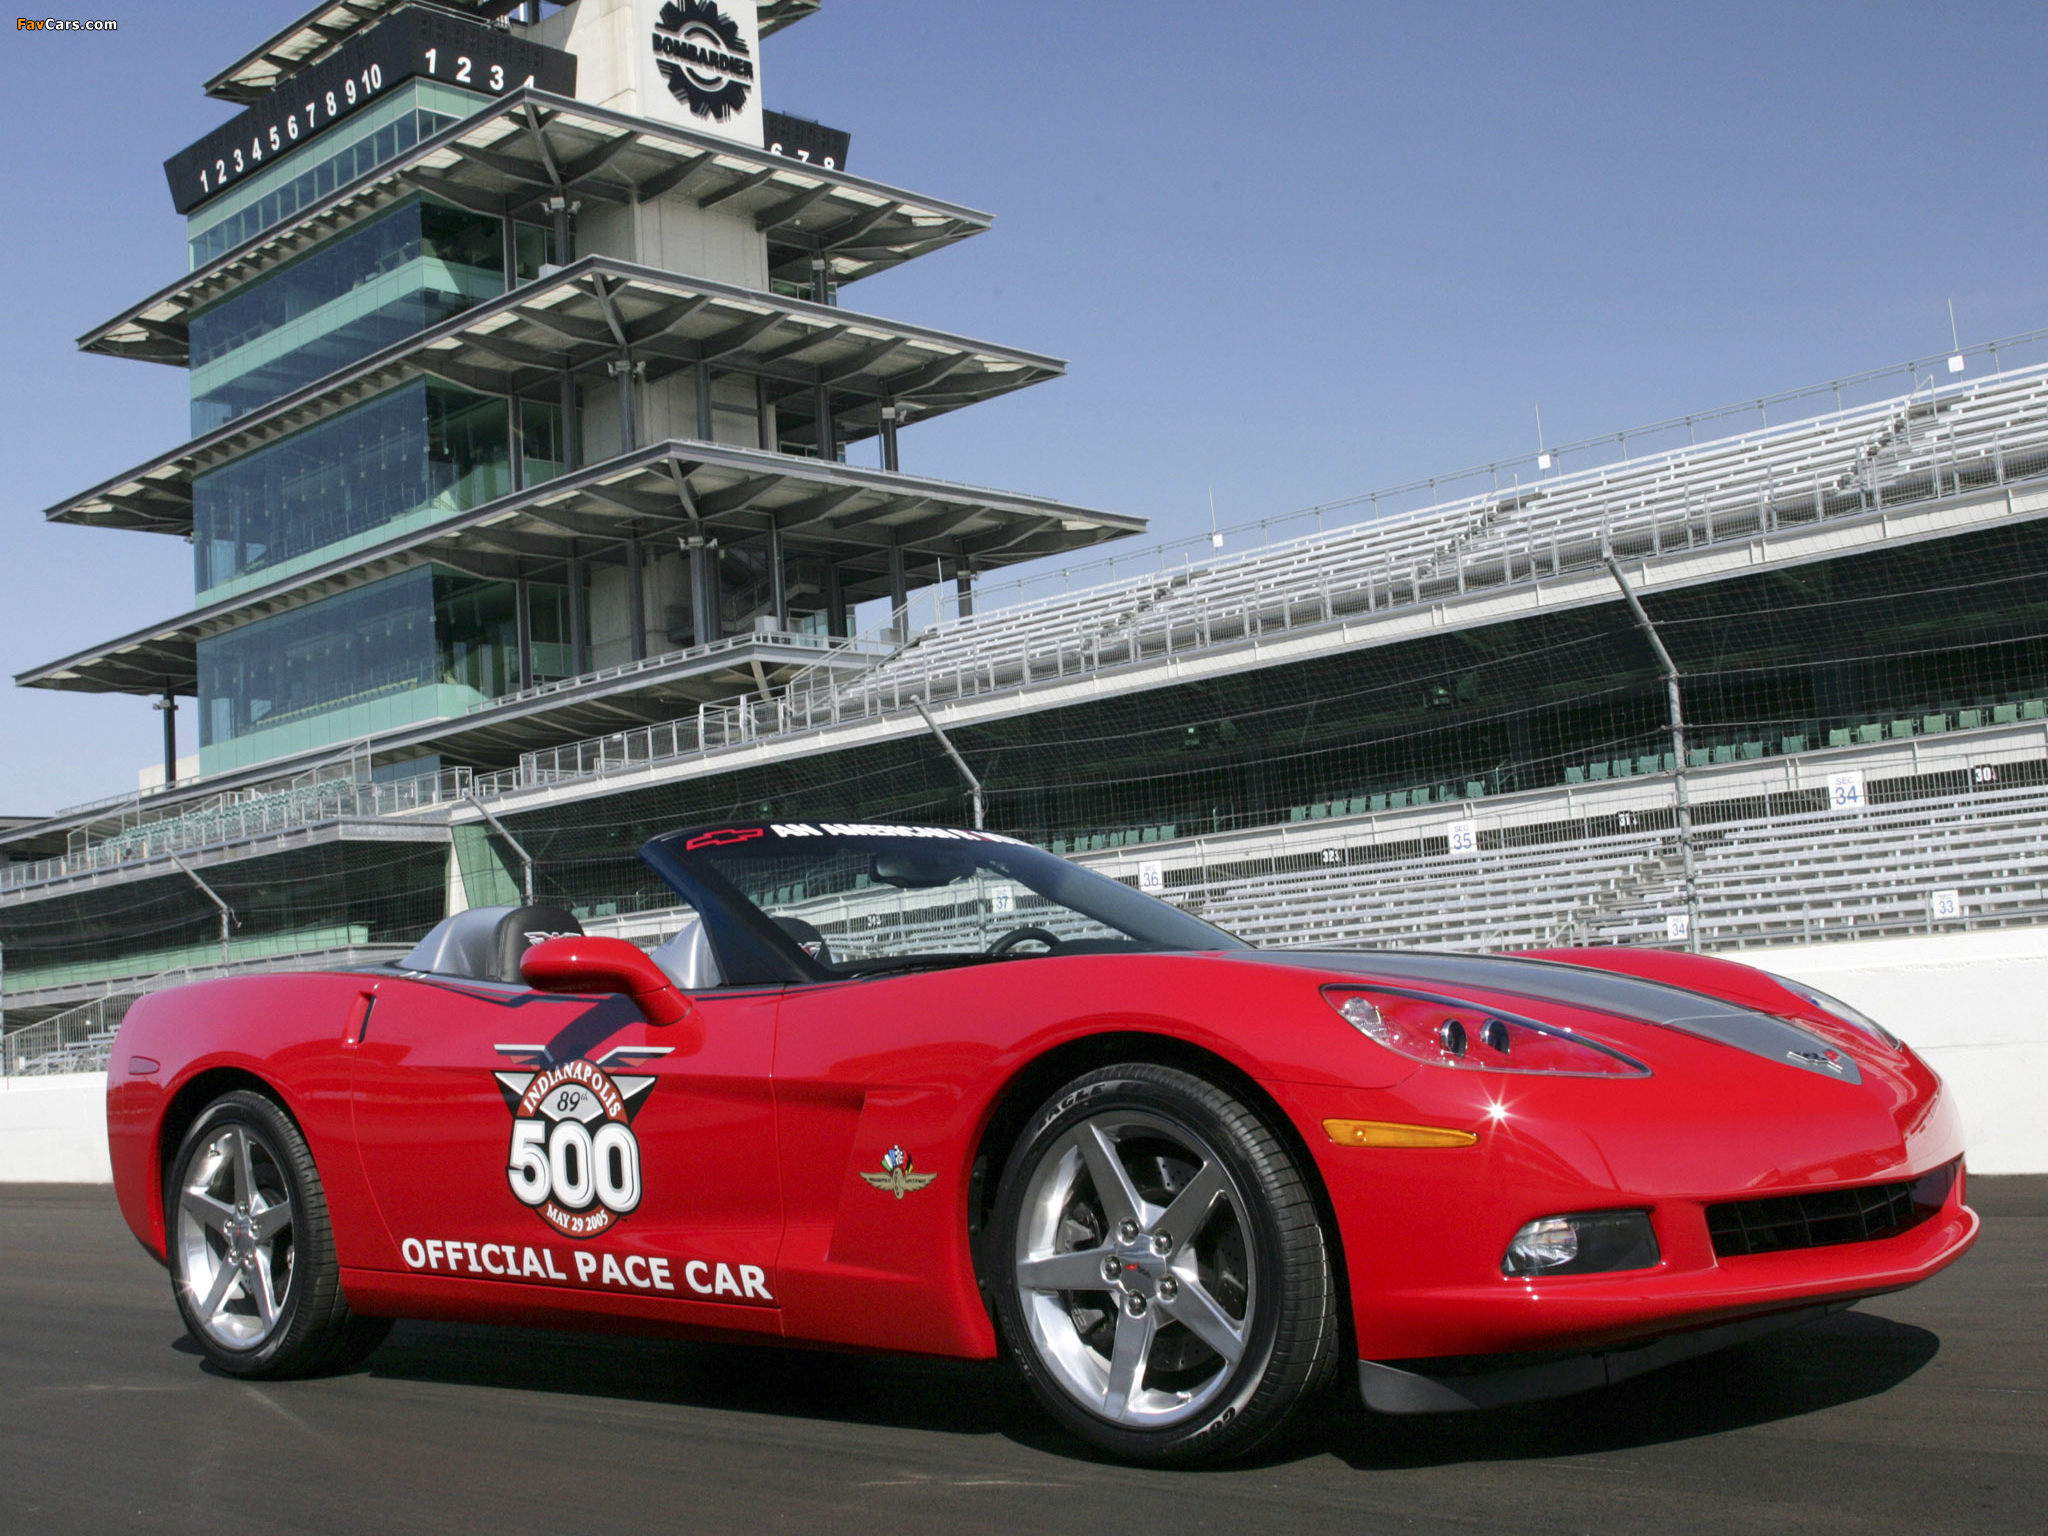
(1292, 251)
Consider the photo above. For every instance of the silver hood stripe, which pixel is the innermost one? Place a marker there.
(1578, 986)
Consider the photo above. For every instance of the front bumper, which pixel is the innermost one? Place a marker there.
(1424, 1230)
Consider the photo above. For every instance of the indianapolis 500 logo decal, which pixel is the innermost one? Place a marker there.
(574, 1158)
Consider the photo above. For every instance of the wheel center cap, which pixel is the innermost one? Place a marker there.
(241, 1231)
(1140, 1270)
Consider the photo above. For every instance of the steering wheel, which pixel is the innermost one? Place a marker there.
(1029, 931)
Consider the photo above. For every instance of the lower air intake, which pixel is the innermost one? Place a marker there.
(1823, 1219)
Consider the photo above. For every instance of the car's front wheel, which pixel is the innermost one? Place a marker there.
(251, 1249)
(1159, 1267)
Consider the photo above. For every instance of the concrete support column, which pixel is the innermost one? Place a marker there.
(778, 582)
(623, 369)
(835, 603)
(704, 422)
(572, 424)
(522, 623)
(636, 597)
(821, 279)
(565, 240)
(579, 612)
(169, 705)
(516, 414)
(890, 418)
(764, 418)
(828, 441)
(963, 588)
(704, 605)
(899, 593)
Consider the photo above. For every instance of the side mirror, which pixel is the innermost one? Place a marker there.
(579, 963)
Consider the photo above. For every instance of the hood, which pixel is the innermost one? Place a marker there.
(1575, 986)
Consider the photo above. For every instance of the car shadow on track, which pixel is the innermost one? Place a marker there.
(1834, 1361)
(1825, 1364)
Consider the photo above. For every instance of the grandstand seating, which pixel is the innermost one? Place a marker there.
(1856, 462)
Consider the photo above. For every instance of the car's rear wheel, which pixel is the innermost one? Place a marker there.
(251, 1249)
(1159, 1267)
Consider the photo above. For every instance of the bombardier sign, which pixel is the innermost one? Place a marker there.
(699, 63)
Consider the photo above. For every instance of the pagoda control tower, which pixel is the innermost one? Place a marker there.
(522, 388)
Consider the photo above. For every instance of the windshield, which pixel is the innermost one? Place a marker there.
(860, 899)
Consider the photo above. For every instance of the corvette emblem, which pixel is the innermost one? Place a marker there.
(896, 1177)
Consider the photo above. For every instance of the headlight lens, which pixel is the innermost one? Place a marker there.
(1448, 1033)
(1838, 1008)
(1591, 1243)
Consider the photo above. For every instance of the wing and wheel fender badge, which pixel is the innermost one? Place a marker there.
(896, 1178)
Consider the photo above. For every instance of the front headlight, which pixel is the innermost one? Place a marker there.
(1447, 1033)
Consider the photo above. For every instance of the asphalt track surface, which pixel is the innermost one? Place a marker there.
(1924, 1412)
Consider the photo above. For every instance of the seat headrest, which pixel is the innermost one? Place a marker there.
(485, 943)
(522, 928)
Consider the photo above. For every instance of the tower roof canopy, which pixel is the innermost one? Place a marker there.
(331, 23)
(854, 516)
(527, 147)
(580, 318)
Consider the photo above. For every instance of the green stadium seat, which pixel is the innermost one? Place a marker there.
(1169, 832)
(1598, 770)
(1724, 754)
(1933, 725)
(2004, 714)
(1750, 751)
(1695, 757)
(1621, 767)
(1360, 805)
(1901, 729)
(2034, 709)
(1791, 744)
(1059, 845)
(1866, 734)
(1297, 813)
(1474, 788)
(1319, 810)
(1838, 738)
(1379, 802)
(1669, 762)
(1575, 775)
(1398, 799)
(1969, 719)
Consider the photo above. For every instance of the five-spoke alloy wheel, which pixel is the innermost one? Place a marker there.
(1159, 1267)
(251, 1251)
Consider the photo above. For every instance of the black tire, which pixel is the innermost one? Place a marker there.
(1253, 1273)
(251, 1249)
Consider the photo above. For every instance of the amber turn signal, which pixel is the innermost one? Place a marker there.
(1385, 1133)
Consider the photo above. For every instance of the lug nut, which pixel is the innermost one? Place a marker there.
(1135, 1305)
(1112, 1271)
(1162, 1243)
(1168, 1287)
(1127, 1230)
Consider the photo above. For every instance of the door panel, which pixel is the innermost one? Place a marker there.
(559, 1141)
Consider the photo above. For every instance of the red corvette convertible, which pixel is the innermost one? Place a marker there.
(938, 1091)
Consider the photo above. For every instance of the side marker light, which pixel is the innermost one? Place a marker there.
(1386, 1133)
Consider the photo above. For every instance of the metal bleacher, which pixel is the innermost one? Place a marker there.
(1855, 463)
(1768, 878)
